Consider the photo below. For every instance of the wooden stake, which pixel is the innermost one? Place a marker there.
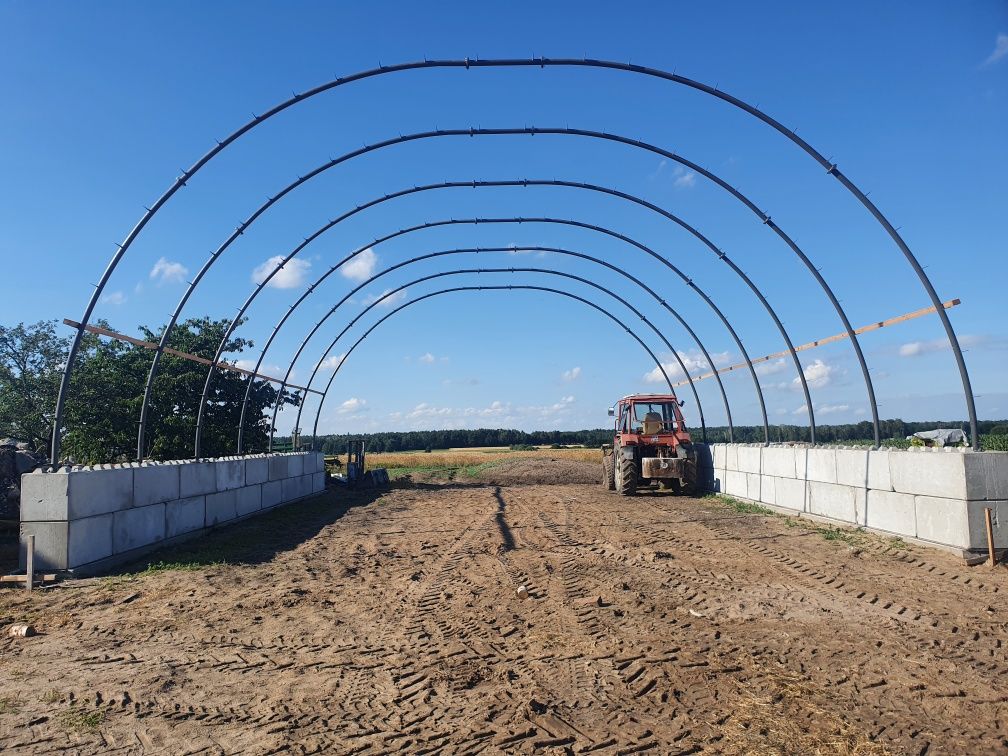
(30, 561)
(990, 536)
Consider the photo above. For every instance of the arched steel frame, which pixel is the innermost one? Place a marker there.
(831, 169)
(478, 250)
(442, 274)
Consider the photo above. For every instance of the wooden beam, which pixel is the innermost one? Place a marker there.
(828, 340)
(97, 330)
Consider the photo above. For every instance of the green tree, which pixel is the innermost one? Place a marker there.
(31, 363)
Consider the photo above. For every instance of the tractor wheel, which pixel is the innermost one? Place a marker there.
(608, 473)
(626, 477)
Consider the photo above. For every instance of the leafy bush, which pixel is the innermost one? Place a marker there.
(994, 442)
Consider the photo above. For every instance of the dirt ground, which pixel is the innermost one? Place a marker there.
(391, 622)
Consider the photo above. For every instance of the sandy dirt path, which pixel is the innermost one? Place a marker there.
(653, 625)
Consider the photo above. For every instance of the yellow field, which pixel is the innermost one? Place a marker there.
(469, 457)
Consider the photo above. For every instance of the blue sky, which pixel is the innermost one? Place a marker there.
(105, 103)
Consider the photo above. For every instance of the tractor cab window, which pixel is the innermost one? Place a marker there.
(651, 418)
(623, 424)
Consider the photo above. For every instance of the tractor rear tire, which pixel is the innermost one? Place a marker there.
(627, 479)
(608, 473)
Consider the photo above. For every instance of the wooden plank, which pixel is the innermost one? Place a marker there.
(99, 331)
(49, 577)
(828, 340)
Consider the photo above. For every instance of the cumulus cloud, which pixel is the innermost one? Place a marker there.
(917, 348)
(353, 404)
(818, 374)
(427, 358)
(165, 271)
(683, 179)
(385, 299)
(114, 298)
(333, 362)
(572, 375)
(771, 368)
(693, 360)
(1000, 49)
(361, 267)
(290, 276)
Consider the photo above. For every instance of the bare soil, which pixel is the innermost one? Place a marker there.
(392, 622)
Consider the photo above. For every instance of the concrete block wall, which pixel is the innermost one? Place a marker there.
(936, 495)
(91, 518)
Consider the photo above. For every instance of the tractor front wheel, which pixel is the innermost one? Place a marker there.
(626, 477)
(608, 472)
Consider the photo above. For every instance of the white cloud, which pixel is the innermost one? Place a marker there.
(771, 368)
(693, 360)
(114, 298)
(387, 299)
(290, 276)
(1000, 49)
(427, 359)
(333, 362)
(683, 179)
(361, 267)
(917, 348)
(819, 374)
(828, 409)
(165, 271)
(572, 375)
(353, 404)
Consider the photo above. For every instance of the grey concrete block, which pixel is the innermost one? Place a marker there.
(851, 467)
(986, 475)
(821, 465)
(249, 500)
(891, 511)
(309, 465)
(221, 507)
(184, 516)
(44, 496)
(89, 540)
(256, 470)
(197, 479)
(719, 454)
(153, 484)
(978, 525)
(942, 520)
(731, 457)
(136, 527)
(98, 491)
(790, 493)
(831, 500)
(230, 474)
(272, 493)
(50, 544)
(753, 486)
(929, 473)
(318, 482)
(779, 461)
(295, 465)
(768, 489)
(748, 459)
(278, 467)
(736, 483)
(878, 470)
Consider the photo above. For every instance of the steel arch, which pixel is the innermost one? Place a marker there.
(831, 169)
(481, 288)
(477, 250)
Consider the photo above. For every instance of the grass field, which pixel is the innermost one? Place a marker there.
(467, 462)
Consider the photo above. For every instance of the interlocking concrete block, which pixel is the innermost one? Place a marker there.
(272, 493)
(821, 465)
(221, 507)
(89, 540)
(44, 496)
(929, 473)
(318, 482)
(50, 544)
(197, 479)
(155, 483)
(779, 461)
(942, 520)
(749, 459)
(831, 500)
(731, 457)
(878, 470)
(136, 527)
(249, 500)
(801, 463)
(184, 516)
(891, 511)
(230, 474)
(978, 525)
(753, 486)
(309, 464)
(851, 467)
(295, 465)
(736, 483)
(768, 489)
(860, 503)
(719, 454)
(278, 467)
(256, 470)
(98, 491)
(790, 493)
(986, 475)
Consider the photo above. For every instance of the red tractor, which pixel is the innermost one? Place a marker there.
(650, 445)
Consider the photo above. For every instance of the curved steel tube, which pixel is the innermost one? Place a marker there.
(608, 232)
(477, 250)
(480, 288)
(831, 168)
